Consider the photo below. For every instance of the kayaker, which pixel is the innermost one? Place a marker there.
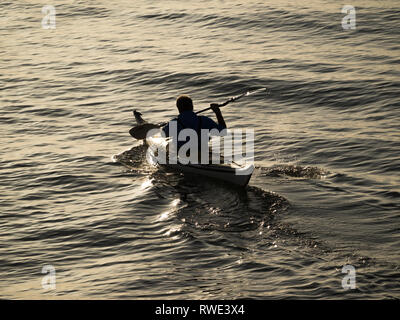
(187, 119)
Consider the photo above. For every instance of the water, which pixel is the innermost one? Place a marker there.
(325, 192)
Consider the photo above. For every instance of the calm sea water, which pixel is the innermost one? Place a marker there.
(76, 191)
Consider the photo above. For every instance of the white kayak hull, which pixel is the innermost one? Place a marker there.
(238, 176)
(232, 173)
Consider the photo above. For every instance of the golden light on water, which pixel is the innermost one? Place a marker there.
(172, 209)
(67, 96)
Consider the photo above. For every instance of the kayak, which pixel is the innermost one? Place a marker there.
(233, 173)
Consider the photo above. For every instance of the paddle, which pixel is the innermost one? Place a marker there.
(140, 132)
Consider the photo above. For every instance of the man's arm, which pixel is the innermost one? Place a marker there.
(218, 114)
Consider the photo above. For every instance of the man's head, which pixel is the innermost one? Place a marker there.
(184, 103)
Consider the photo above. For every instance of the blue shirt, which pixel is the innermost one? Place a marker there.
(188, 119)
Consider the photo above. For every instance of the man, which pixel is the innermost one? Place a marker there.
(187, 119)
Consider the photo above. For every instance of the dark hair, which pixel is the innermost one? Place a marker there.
(184, 103)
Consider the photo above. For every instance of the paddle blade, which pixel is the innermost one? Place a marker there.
(140, 132)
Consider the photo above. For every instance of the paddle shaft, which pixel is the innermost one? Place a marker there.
(225, 103)
(233, 99)
(140, 132)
